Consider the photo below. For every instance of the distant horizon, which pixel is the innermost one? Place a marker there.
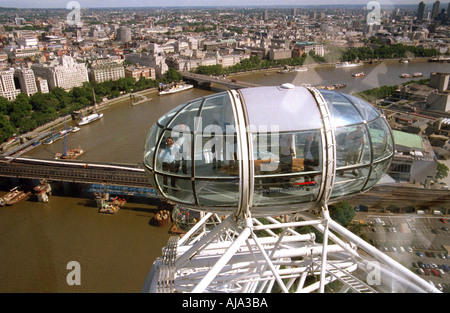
(122, 4)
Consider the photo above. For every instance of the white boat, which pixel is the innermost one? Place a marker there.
(361, 74)
(90, 118)
(75, 129)
(417, 74)
(176, 88)
(300, 69)
(347, 64)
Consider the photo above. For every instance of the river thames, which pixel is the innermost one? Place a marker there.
(115, 252)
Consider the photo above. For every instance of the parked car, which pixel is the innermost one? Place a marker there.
(410, 250)
(420, 271)
(445, 267)
(420, 254)
(426, 271)
(434, 272)
(443, 220)
(441, 272)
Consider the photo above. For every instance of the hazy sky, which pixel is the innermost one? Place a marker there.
(162, 3)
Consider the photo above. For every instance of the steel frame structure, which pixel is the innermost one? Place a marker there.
(241, 254)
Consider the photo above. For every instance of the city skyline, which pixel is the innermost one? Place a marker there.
(196, 3)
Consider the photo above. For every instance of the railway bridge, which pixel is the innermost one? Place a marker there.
(127, 175)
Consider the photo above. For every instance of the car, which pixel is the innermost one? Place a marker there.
(444, 228)
(426, 271)
(441, 272)
(410, 250)
(420, 271)
(393, 249)
(420, 264)
(434, 272)
(445, 267)
(420, 254)
(434, 255)
(441, 255)
(443, 220)
(414, 264)
(428, 254)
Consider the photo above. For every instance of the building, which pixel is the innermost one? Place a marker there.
(8, 88)
(140, 71)
(435, 10)
(440, 100)
(67, 74)
(421, 11)
(155, 58)
(42, 85)
(278, 54)
(305, 47)
(104, 69)
(124, 34)
(414, 159)
(26, 80)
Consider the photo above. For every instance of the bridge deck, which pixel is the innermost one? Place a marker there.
(229, 83)
(76, 172)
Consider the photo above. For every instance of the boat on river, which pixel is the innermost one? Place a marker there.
(360, 74)
(406, 75)
(347, 65)
(167, 90)
(57, 136)
(70, 154)
(90, 118)
(14, 196)
(441, 59)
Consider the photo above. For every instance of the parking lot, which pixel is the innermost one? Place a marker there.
(418, 242)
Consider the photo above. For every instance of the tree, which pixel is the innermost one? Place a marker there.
(342, 212)
(7, 130)
(441, 171)
(5, 105)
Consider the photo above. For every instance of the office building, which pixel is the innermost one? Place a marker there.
(435, 10)
(421, 11)
(124, 34)
(8, 88)
(67, 75)
(26, 81)
(103, 70)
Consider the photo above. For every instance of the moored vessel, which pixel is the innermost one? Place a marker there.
(70, 155)
(166, 90)
(90, 118)
(14, 196)
(360, 74)
(347, 64)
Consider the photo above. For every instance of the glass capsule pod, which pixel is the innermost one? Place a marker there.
(271, 150)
